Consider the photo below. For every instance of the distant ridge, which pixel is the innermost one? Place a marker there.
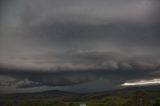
(64, 95)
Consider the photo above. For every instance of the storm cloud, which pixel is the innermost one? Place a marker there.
(65, 44)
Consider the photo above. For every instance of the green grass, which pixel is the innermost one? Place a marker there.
(121, 98)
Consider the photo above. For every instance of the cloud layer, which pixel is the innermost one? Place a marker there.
(69, 43)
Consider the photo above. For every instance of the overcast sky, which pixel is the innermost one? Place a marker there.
(94, 45)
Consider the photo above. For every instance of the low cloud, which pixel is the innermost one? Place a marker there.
(71, 43)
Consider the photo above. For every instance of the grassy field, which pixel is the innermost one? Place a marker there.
(118, 98)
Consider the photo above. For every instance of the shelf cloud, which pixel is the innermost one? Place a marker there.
(70, 43)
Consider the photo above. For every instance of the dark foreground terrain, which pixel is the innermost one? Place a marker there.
(137, 96)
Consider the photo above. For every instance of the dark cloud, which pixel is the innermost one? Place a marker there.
(76, 44)
(73, 80)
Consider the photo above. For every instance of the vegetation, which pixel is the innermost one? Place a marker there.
(127, 98)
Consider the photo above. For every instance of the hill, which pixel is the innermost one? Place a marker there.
(119, 97)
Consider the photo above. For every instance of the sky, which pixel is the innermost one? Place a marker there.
(78, 45)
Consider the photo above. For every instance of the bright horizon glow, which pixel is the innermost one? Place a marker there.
(142, 82)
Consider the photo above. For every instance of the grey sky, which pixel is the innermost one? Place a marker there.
(86, 36)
